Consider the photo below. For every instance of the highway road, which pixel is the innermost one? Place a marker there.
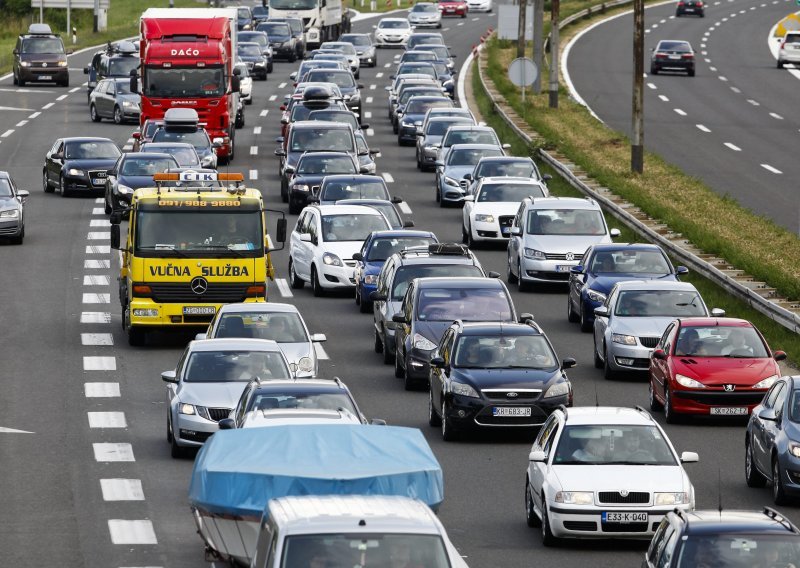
(734, 125)
(61, 331)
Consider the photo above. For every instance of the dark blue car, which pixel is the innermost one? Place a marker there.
(605, 265)
(377, 248)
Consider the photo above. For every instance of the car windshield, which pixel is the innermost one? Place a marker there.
(234, 366)
(276, 30)
(363, 550)
(97, 150)
(470, 137)
(185, 231)
(283, 327)
(405, 274)
(420, 106)
(325, 165)
(417, 68)
(336, 116)
(123, 87)
(425, 8)
(252, 50)
(336, 190)
(419, 56)
(5, 188)
(243, 74)
(37, 45)
(150, 128)
(470, 157)
(465, 304)
(146, 166)
(342, 46)
(515, 192)
(511, 169)
(566, 222)
(354, 227)
(186, 156)
(630, 261)
(504, 352)
(679, 46)
(660, 303)
(302, 399)
(359, 40)
(610, 444)
(338, 78)
(384, 247)
(393, 24)
(172, 82)
(321, 139)
(740, 549)
(254, 37)
(720, 341)
(196, 138)
(122, 67)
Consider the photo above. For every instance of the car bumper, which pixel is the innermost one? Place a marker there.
(284, 52)
(701, 401)
(389, 338)
(483, 231)
(82, 183)
(455, 12)
(451, 194)
(789, 55)
(427, 24)
(673, 65)
(367, 59)
(391, 42)
(337, 276)
(466, 412)
(580, 522)
(633, 358)
(693, 11)
(428, 154)
(147, 314)
(44, 75)
(10, 227)
(791, 473)
(354, 105)
(546, 270)
(407, 133)
(299, 197)
(483, 7)
(192, 430)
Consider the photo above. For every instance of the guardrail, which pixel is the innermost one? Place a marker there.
(756, 294)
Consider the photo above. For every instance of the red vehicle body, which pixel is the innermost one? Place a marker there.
(711, 366)
(453, 8)
(188, 58)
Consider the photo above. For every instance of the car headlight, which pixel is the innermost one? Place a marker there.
(24, 64)
(623, 339)
(689, 383)
(533, 253)
(794, 449)
(596, 296)
(371, 279)
(671, 498)
(765, 383)
(188, 409)
(451, 181)
(62, 63)
(305, 364)
(300, 187)
(575, 497)
(10, 214)
(331, 259)
(407, 124)
(463, 390)
(484, 218)
(448, 83)
(75, 172)
(558, 389)
(124, 189)
(129, 104)
(260, 64)
(422, 342)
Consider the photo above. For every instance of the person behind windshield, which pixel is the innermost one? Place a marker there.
(737, 344)
(632, 448)
(470, 353)
(688, 343)
(229, 235)
(592, 450)
(604, 264)
(526, 354)
(279, 330)
(771, 556)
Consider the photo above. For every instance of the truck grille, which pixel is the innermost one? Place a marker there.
(217, 293)
(640, 497)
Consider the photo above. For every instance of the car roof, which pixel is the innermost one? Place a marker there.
(401, 233)
(562, 203)
(129, 155)
(392, 20)
(474, 147)
(499, 328)
(468, 127)
(289, 416)
(711, 522)
(86, 139)
(235, 344)
(710, 322)
(617, 415)
(168, 145)
(626, 246)
(458, 282)
(511, 179)
(655, 285)
(354, 177)
(260, 307)
(273, 385)
(505, 159)
(326, 154)
(347, 210)
(320, 123)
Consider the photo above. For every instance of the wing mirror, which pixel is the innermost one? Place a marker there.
(377, 422)
(537, 456)
(408, 223)
(601, 311)
(718, 313)
(779, 355)
(227, 424)
(681, 270)
(614, 233)
(689, 457)
(358, 256)
(399, 317)
(568, 363)
(169, 376)
(438, 362)
(768, 414)
(318, 337)
(200, 336)
(377, 297)
(660, 354)
(576, 269)
(515, 231)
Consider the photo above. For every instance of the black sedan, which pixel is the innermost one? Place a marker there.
(493, 374)
(12, 209)
(132, 171)
(283, 43)
(311, 168)
(672, 55)
(253, 56)
(78, 165)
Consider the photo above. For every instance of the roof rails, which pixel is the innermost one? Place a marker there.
(776, 516)
(450, 249)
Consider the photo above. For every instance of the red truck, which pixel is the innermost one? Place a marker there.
(187, 61)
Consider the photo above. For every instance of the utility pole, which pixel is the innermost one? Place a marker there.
(538, 42)
(523, 8)
(96, 25)
(554, 19)
(637, 144)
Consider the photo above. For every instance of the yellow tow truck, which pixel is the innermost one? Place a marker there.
(195, 241)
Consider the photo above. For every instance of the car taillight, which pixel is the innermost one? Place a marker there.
(699, 4)
(783, 45)
(680, 4)
(688, 56)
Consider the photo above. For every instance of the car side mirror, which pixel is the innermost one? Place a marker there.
(387, 88)
(408, 223)
(420, 133)
(601, 311)
(236, 82)
(23, 195)
(718, 313)
(377, 422)
(305, 237)
(134, 86)
(85, 69)
(439, 164)
(201, 336)
(283, 106)
(377, 297)
(537, 456)
(660, 354)
(681, 270)
(364, 125)
(506, 146)
(614, 233)
(576, 269)
(313, 199)
(768, 414)
(318, 337)
(438, 362)
(360, 85)
(284, 120)
(492, 274)
(288, 170)
(547, 177)
(689, 457)
(525, 317)
(280, 230)
(227, 424)
(136, 135)
(358, 256)
(363, 170)
(396, 199)
(279, 140)
(399, 317)
(374, 151)
(515, 231)
(779, 355)
(169, 376)
(280, 152)
(469, 198)
(468, 177)
(293, 75)
(568, 363)
(70, 51)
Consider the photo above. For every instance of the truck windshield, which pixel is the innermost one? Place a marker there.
(122, 66)
(189, 231)
(184, 82)
(363, 549)
(293, 4)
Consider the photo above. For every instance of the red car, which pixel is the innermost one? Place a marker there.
(453, 8)
(711, 366)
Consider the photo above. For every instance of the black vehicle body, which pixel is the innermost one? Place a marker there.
(257, 63)
(116, 60)
(132, 171)
(296, 27)
(284, 44)
(304, 184)
(39, 56)
(79, 164)
(262, 39)
(347, 84)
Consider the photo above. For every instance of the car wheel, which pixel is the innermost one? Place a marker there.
(547, 535)
(62, 185)
(651, 397)
(315, 285)
(21, 82)
(269, 68)
(14, 80)
(522, 286)
(409, 383)
(117, 115)
(778, 492)
(608, 373)
(378, 346)
(93, 114)
(586, 325)
(177, 451)
(294, 280)
(136, 337)
(433, 418)
(598, 362)
(388, 357)
(169, 429)
(530, 514)
(448, 432)
(669, 411)
(691, 72)
(284, 191)
(46, 184)
(399, 372)
(780, 64)
(365, 306)
(19, 238)
(294, 207)
(471, 242)
(510, 278)
(572, 317)
(753, 477)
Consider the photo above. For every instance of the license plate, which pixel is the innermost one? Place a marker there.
(687, 10)
(43, 78)
(625, 518)
(505, 230)
(563, 267)
(674, 56)
(98, 181)
(511, 411)
(199, 310)
(729, 410)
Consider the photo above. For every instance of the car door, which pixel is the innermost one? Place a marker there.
(53, 164)
(105, 91)
(402, 330)
(297, 245)
(312, 248)
(660, 368)
(383, 287)
(440, 375)
(761, 452)
(546, 442)
(601, 323)
(772, 429)
(577, 280)
(515, 241)
(466, 212)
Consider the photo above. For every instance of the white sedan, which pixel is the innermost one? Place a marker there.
(604, 472)
(245, 83)
(391, 32)
(488, 214)
(479, 5)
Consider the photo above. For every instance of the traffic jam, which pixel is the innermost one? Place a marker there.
(288, 470)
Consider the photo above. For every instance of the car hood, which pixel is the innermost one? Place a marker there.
(373, 267)
(43, 57)
(252, 58)
(431, 139)
(562, 244)
(604, 283)
(130, 97)
(716, 371)
(308, 179)
(496, 207)
(458, 172)
(7, 203)
(90, 163)
(135, 182)
(649, 478)
(343, 249)
(212, 395)
(296, 351)
(505, 378)
(433, 330)
(414, 117)
(639, 326)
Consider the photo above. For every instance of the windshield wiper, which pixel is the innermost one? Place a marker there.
(159, 248)
(223, 247)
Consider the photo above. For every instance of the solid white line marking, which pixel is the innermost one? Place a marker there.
(776, 116)
(95, 317)
(101, 390)
(97, 339)
(257, 130)
(367, 114)
(273, 97)
(7, 133)
(263, 112)
(663, 98)
(733, 147)
(122, 489)
(652, 85)
(21, 123)
(771, 169)
(388, 177)
(98, 249)
(99, 223)
(131, 532)
(98, 236)
(253, 150)
(283, 287)
(369, 100)
(107, 420)
(96, 280)
(321, 354)
(703, 128)
(253, 174)
(282, 86)
(679, 111)
(34, 115)
(97, 264)
(99, 363)
(96, 298)
(62, 97)
(403, 206)
(754, 103)
(114, 452)
(378, 75)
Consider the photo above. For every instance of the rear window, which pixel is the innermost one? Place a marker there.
(234, 366)
(406, 274)
(511, 169)
(739, 550)
(325, 165)
(385, 247)
(463, 157)
(465, 304)
(471, 137)
(506, 192)
(679, 46)
(792, 38)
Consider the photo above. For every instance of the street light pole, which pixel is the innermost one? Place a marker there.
(554, 19)
(637, 144)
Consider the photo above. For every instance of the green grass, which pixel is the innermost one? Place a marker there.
(778, 337)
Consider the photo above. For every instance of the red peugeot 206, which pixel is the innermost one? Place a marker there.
(453, 8)
(711, 366)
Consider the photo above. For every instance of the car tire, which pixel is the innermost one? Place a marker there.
(118, 116)
(21, 82)
(510, 278)
(652, 401)
(107, 206)
(690, 72)
(653, 70)
(433, 418)
(449, 434)
(752, 476)
(176, 451)
(780, 64)
(364, 306)
(294, 208)
(572, 317)
(295, 281)
(598, 362)
(378, 346)
(471, 242)
(670, 415)
(608, 373)
(547, 535)
(530, 513)
(319, 291)
(586, 325)
(137, 337)
(14, 80)
(284, 191)
(778, 491)
(399, 372)
(63, 186)
(46, 184)
(388, 356)
(522, 286)
(93, 114)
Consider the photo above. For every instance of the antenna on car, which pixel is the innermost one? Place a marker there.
(596, 397)
(719, 492)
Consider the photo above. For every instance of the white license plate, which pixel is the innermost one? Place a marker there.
(199, 310)
(674, 57)
(98, 181)
(729, 410)
(523, 411)
(563, 267)
(43, 78)
(687, 10)
(625, 518)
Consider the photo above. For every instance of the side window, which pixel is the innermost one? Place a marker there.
(773, 394)
(548, 442)
(665, 558)
(520, 216)
(657, 544)
(301, 221)
(103, 67)
(545, 431)
(664, 341)
(446, 345)
(273, 550)
(241, 407)
(779, 401)
(364, 247)
(312, 227)
(408, 302)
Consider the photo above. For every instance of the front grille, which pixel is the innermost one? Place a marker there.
(98, 177)
(9, 230)
(576, 257)
(506, 220)
(350, 263)
(217, 293)
(580, 525)
(625, 527)
(502, 394)
(649, 342)
(721, 398)
(218, 414)
(554, 276)
(640, 497)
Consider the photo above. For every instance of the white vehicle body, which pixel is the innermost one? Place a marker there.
(245, 83)
(289, 416)
(391, 32)
(491, 220)
(349, 51)
(425, 15)
(479, 5)
(789, 51)
(324, 18)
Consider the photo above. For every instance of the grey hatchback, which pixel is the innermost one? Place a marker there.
(113, 99)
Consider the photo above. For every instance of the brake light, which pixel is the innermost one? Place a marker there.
(258, 290)
(699, 4)
(783, 45)
(688, 56)
(681, 4)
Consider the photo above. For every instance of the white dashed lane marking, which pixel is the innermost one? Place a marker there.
(34, 115)
(122, 490)
(100, 223)
(736, 90)
(367, 114)
(97, 339)
(370, 132)
(771, 169)
(721, 78)
(113, 452)
(74, 89)
(273, 97)
(776, 116)
(369, 100)
(663, 98)
(107, 420)
(403, 206)
(388, 177)
(714, 69)
(373, 87)
(21, 123)
(263, 112)
(652, 85)
(97, 264)
(733, 147)
(253, 150)
(131, 532)
(387, 65)
(703, 128)
(94, 363)
(98, 249)
(752, 102)
(282, 86)
(257, 130)
(253, 174)
(96, 280)
(98, 211)
(679, 111)
(96, 298)
(95, 317)
(378, 75)
(7, 133)
(283, 288)
(101, 390)
(98, 236)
